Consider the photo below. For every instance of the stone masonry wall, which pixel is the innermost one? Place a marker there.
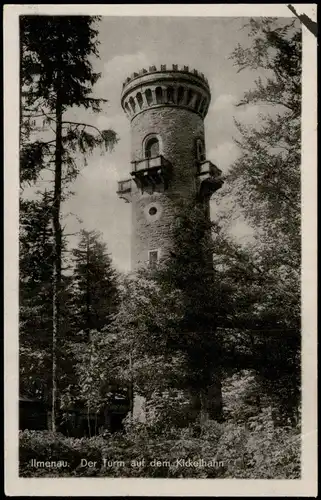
(178, 129)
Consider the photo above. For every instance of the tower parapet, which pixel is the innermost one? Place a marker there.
(156, 87)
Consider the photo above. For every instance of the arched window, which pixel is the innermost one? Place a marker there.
(159, 95)
(197, 102)
(149, 97)
(170, 94)
(152, 147)
(190, 96)
(200, 150)
(180, 95)
(139, 100)
(132, 104)
(127, 108)
(202, 107)
(205, 107)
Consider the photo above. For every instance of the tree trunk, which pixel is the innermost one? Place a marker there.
(88, 421)
(212, 400)
(88, 298)
(206, 403)
(57, 251)
(131, 391)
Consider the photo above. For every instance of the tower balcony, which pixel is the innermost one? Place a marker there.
(151, 172)
(124, 190)
(210, 178)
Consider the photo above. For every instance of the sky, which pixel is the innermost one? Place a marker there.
(128, 44)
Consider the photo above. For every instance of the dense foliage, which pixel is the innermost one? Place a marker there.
(264, 185)
(251, 447)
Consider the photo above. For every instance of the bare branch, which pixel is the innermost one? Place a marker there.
(79, 124)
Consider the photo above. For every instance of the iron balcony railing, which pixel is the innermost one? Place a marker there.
(124, 186)
(207, 167)
(149, 164)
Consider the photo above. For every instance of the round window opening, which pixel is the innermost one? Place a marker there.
(152, 211)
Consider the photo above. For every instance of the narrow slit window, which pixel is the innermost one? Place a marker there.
(200, 150)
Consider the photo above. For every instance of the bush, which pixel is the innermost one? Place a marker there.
(256, 449)
(261, 450)
(47, 446)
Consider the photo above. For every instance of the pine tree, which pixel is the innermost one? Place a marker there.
(57, 75)
(36, 262)
(35, 293)
(95, 295)
(89, 362)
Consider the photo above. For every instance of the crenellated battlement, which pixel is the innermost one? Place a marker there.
(162, 68)
(163, 86)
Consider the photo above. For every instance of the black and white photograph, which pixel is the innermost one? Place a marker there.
(160, 258)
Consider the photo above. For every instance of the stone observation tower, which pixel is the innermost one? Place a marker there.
(166, 108)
